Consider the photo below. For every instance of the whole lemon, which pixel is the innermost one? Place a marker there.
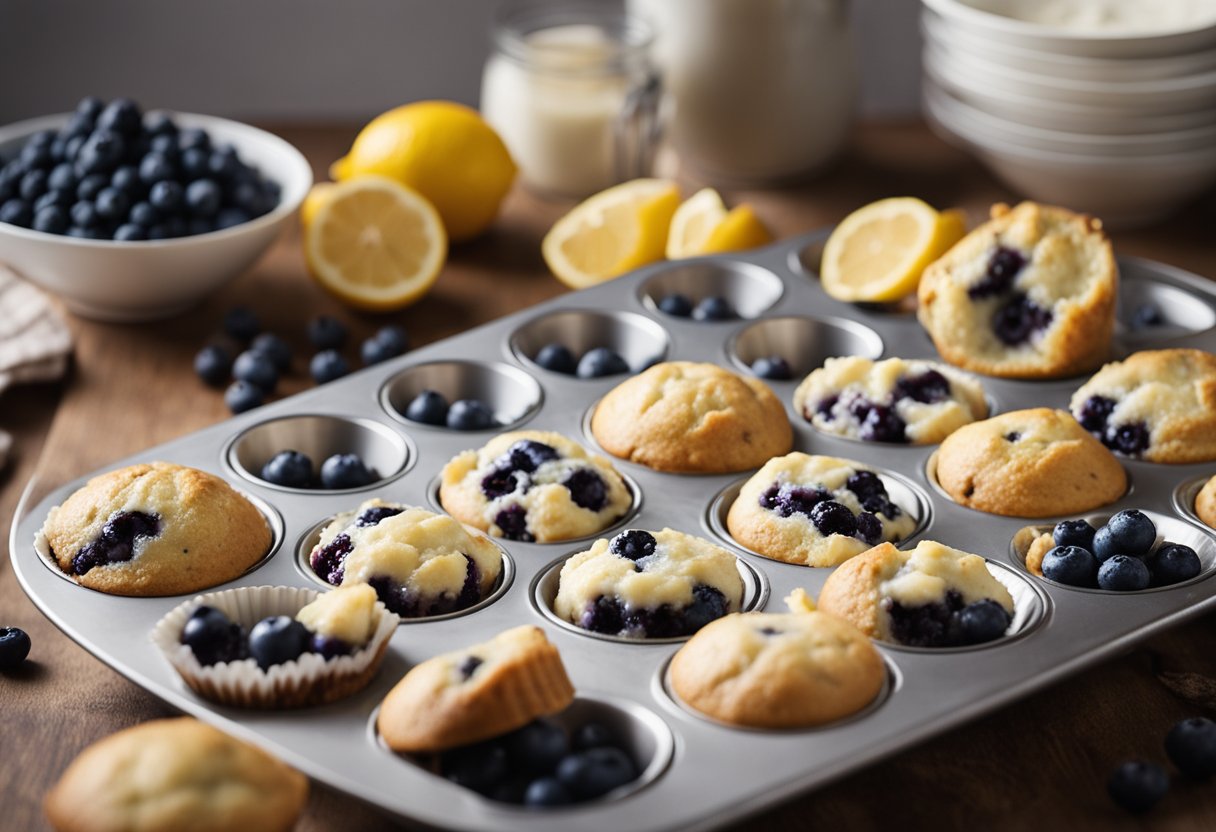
(443, 150)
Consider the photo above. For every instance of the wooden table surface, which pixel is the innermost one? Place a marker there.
(1041, 762)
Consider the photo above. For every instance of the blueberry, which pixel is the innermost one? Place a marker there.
(14, 647)
(122, 116)
(595, 772)
(557, 358)
(90, 186)
(470, 414)
(1147, 315)
(223, 163)
(428, 407)
(212, 363)
(33, 185)
(1018, 318)
(166, 195)
(1071, 565)
(479, 767)
(203, 198)
(869, 528)
(327, 365)
(111, 205)
(327, 333)
(708, 604)
(1137, 786)
(345, 471)
(56, 199)
(93, 233)
(713, 309)
(1129, 532)
(159, 123)
(1123, 573)
(677, 305)
(212, 637)
(290, 469)
(129, 232)
(163, 144)
(547, 791)
(773, 367)
(1191, 746)
(277, 640)
(883, 424)
(241, 396)
(84, 214)
(274, 348)
(982, 621)
(633, 544)
(193, 163)
(229, 217)
(1073, 533)
(372, 515)
(37, 157)
(1131, 439)
(193, 137)
(198, 225)
(599, 362)
(513, 522)
(592, 735)
(389, 342)
(537, 747)
(90, 107)
(126, 179)
(51, 219)
(144, 215)
(62, 178)
(926, 388)
(117, 540)
(1003, 267)
(1173, 563)
(16, 212)
(831, 517)
(156, 167)
(100, 154)
(256, 368)
(587, 489)
(240, 322)
(528, 455)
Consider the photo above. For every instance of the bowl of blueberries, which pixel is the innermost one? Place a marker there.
(130, 216)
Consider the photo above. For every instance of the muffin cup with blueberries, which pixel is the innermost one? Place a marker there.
(277, 647)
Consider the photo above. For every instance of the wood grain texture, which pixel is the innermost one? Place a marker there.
(1039, 763)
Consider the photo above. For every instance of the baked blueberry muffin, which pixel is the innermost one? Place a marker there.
(1029, 463)
(692, 418)
(1205, 503)
(815, 510)
(534, 486)
(1158, 405)
(420, 563)
(1029, 294)
(473, 694)
(175, 775)
(155, 529)
(764, 670)
(896, 400)
(644, 584)
(931, 596)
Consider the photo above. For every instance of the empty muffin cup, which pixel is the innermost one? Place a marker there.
(1149, 309)
(804, 343)
(383, 451)
(750, 290)
(511, 395)
(635, 338)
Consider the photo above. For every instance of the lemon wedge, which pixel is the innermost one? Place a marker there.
(374, 243)
(702, 225)
(877, 254)
(612, 232)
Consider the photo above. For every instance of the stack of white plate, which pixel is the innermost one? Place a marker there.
(1102, 106)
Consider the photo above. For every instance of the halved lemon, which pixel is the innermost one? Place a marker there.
(375, 244)
(615, 231)
(877, 254)
(702, 225)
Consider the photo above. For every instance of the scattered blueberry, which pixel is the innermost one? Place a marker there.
(537, 747)
(290, 469)
(241, 323)
(277, 640)
(982, 622)
(592, 735)
(713, 309)
(1137, 786)
(1073, 533)
(1129, 532)
(470, 414)
(1191, 746)
(547, 791)
(345, 471)
(428, 407)
(388, 342)
(478, 767)
(275, 349)
(327, 333)
(241, 396)
(633, 544)
(595, 772)
(773, 367)
(677, 305)
(257, 368)
(212, 637)
(1071, 565)
(557, 358)
(600, 362)
(1173, 563)
(14, 647)
(1123, 573)
(213, 364)
(327, 366)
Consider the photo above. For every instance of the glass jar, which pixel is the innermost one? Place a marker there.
(572, 92)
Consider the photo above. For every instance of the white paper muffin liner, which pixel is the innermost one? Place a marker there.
(309, 680)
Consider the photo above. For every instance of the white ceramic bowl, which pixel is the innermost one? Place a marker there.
(983, 19)
(145, 280)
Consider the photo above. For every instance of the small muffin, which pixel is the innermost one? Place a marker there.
(1029, 294)
(474, 694)
(1029, 463)
(534, 486)
(175, 775)
(763, 670)
(1158, 405)
(1205, 503)
(692, 418)
(932, 596)
(815, 510)
(645, 584)
(896, 400)
(420, 563)
(1036, 544)
(155, 529)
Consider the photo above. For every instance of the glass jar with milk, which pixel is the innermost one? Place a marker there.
(572, 92)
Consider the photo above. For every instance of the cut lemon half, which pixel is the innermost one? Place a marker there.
(702, 225)
(375, 244)
(877, 254)
(615, 231)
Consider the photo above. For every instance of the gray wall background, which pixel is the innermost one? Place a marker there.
(316, 60)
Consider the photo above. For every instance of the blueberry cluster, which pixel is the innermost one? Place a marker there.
(594, 363)
(116, 543)
(713, 308)
(831, 516)
(879, 421)
(773, 367)
(947, 623)
(540, 765)
(277, 639)
(14, 648)
(1017, 318)
(292, 469)
(1131, 439)
(1138, 785)
(430, 407)
(511, 474)
(1119, 556)
(113, 173)
(263, 358)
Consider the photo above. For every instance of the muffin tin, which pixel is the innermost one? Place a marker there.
(698, 774)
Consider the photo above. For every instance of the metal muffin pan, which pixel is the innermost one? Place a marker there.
(704, 786)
